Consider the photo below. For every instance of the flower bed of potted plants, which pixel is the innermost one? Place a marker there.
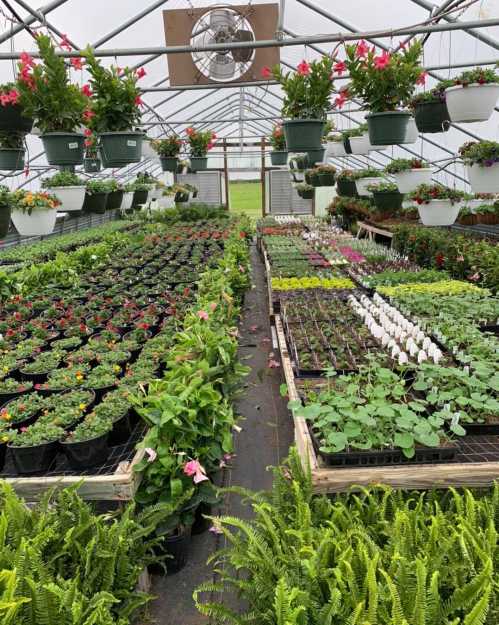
(409, 173)
(56, 105)
(33, 214)
(430, 109)
(279, 153)
(385, 82)
(96, 196)
(364, 178)
(168, 150)
(482, 161)
(68, 188)
(473, 96)
(345, 182)
(200, 143)
(487, 214)
(437, 205)
(87, 445)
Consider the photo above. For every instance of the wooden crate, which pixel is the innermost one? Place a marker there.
(118, 486)
(411, 476)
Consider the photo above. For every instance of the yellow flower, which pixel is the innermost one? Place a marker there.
(6, 416)
(5, 439)
(6, 369)
(82, 406)
(117, 368)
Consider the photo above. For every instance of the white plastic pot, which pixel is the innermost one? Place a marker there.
(407, 181)
(39, 223)
(474, 103)
(360, 145)
(126, 203)
(71, 198)
(439, 212)
(335, 148)
(167, 201)
(147, 150)
(156, 194)
(411, 133)
(362, 184)
(484, 179)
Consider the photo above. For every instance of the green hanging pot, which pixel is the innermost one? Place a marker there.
(307, 194)
(5, 210)
(346, 145)
(199, 163)
(388, 128)
(12, 159)
(312, 178)
(13, 120)
(139, 198)
(95, 203)
(432, 116)
(121, 147)
(92, 165)
(181, 197)
(278, 158)
(63, 148)
(169, 163)
(347, 188)
(114, 200)
(326, 179)
(388, 200)
(303, 134)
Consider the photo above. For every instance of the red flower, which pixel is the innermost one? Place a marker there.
(64, 43)
(88, 114)
(138, 101)
(88, 143)
(421, 80)
(141, 72)
(266, 72)
(362, 49)
(341, 99)
(213, 135)
(4, 99)
(87, 132)
(380, 62)
(76, 62)
(86, 91)
(13, 96)
(190, 131)
(27, 60)
(303, 68)
(340, 67)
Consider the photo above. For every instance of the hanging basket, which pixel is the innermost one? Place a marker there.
(181, 197)
(92, 165)
(139, 198)
(473, 103)
(279, 158)
(326, 179)
(303, 135)
(71, 198)
(114, 200)
(347, 188)
(438, 212)
(388, 200)
(312, 178)
(432, 117)
(63, 148)
(362, 183)
(484, 179)
(95, 203)
(121, 147)
(12, 159)
(5, 211)
(407, 181)
(389, 128)
(39, 223)
(199, 163)
(12, 119)
(360, 145)
(169, 163)
(335, 148)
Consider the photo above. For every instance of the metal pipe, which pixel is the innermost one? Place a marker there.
(271, 43)
(30, 20)
(233, 85)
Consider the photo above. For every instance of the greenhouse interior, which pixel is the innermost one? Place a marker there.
(249, 320)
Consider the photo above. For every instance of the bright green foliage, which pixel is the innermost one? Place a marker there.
(372, 557)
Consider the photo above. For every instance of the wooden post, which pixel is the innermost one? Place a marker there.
(226, 176)
(262, 176)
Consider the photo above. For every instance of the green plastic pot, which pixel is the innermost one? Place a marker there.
(308, 194)
(432, 116)
(316, 156)
(169, 163)
(139, 197)
(199, 163)
(114, 200)
(121, 147)
(347, 188)
(347, 146)
(388, 128)
(63, 148)
(279, 158)
(91, 165)
(12, 119)
(12, 159)
(312, 177)
(180, 197)
(326, 179)
(303, 135)
(388, 200)
(5, 211)
(95, 203)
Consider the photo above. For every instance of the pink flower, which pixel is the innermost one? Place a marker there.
(152, 455)
(86, 91)
(362, 49)
(195, 470)
(4, 99)
(14, 96)
(138, 101)
(213, 306)
(88, 114)
(141, 72)
(475, 277)
(213, 135)
(303, 68)
(380, 62)
(27, 60)
(421, 80)
(64, 43)
(202, 314)
(76, 62)
(190, 131)
(266, 72)
(214, 529)
(24, 429)
(340, 67)
(460, 259)
(341, 98)
(87, 132)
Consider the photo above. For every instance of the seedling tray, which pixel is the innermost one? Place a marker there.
(481, 429)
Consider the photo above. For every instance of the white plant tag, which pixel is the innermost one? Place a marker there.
(73, 146)
(131, 143)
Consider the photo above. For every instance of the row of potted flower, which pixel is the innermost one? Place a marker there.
(200, 143)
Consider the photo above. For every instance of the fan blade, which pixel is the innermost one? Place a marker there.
(243, 55)
(220, 18)
(222, 67)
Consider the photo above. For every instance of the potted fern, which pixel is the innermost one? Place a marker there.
(34, 214)
(279, 154)
(168, 150)
(385, 82)
(482, 161)
(68, 188)
(437, 205)
(200, 143)
(56, 105)
(115, 111)
(409, 173)
(473, 95)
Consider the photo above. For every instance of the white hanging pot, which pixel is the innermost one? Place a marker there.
(39, 223)
(438, 212)
(484, 179)
(360, 145)
(336, 148)
(363, 183)
(411, 131)
(147, 150)
(71, 198)
(156, 194)
(474, 103)
(408, 180)
(126, 203)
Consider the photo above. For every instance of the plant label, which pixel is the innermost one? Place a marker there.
(73, 145)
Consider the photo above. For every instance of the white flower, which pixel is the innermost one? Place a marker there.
(395, 351)
(422, 356)
(93, 257)
(403, 360)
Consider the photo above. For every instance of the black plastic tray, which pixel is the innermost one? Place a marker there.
(491, 328)
(481, 429)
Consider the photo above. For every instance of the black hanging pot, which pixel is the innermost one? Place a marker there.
(5, 210)
(278, 158)
(34, 459)
(13, 120)
(388, 200)
(84, 454)
(432, 116)
(3, 451)
(63, 148)
(169, 163)
(181, 197)
(139, 197)
(326, 179)
(12, 159)
(388, 128)
(307, 194)
(114, 200)
(92, 165)
(346, 145)
(312, 178)
(95, 203)
(347, 188)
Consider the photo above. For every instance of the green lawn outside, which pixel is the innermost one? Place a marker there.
(246, 197)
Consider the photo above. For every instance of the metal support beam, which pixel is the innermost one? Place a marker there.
(31, 20)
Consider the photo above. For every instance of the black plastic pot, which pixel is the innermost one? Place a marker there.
(12, 119)
(3, 451)
(181, 197)
(201, 524)
(114, 200)
(92, 165)
(347, 188)
(169, 163)
(95, 203)
(432, 116)
(36, 378)
(5, 211)
(175, 550)
(101, 391)
(12, 159)
(5, 397)
(312, 178)
(326, 179)
(388, 200)
(84, 454)
(139, 197)
(347, 146)
(307, 194)
(122, 429)
(34, 459)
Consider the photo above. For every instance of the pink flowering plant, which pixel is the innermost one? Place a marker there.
(384, 80)
(308, 90)
(200, 142)
(277, 139)
(114, 96)
(46, 93)
(169, 147)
